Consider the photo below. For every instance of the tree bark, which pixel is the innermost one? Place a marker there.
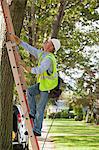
(58, 19)
(7, 83)
(32, 30)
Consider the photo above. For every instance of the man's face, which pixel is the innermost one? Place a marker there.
(48, 46)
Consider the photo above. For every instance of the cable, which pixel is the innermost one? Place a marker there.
(50, 127)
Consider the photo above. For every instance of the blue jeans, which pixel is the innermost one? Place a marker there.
(37, 107)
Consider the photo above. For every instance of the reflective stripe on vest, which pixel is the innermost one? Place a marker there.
(49, 77)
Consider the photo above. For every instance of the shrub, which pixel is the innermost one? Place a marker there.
(78, 113)
(62, 114)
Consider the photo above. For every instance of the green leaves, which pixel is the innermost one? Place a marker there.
(77, 30)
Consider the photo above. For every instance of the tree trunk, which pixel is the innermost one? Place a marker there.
(96, 106)
(33, 23)
(97, 90)
(7, 83)
(58, 19)
(32, 30)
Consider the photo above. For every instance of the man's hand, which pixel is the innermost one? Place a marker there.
(27, 68)
(16, 39)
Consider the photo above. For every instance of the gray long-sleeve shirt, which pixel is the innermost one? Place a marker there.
(46, 63)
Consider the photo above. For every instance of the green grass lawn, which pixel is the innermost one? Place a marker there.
(74, 135)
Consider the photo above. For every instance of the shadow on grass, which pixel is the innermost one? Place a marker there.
(75, 130)
(76, 141)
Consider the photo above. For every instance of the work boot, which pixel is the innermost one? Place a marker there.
(36, 134)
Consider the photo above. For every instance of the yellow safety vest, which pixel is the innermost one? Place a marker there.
(48, 82)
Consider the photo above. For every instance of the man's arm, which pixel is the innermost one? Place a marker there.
(45, 65)
(32, 50)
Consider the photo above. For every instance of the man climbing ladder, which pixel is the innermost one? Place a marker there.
(47, 78)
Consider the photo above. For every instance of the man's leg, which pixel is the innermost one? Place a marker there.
(32, 91)
(40, 112)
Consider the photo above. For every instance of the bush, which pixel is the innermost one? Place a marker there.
(58, 115)
(51, 115)
(78, 113)
(62, 114)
